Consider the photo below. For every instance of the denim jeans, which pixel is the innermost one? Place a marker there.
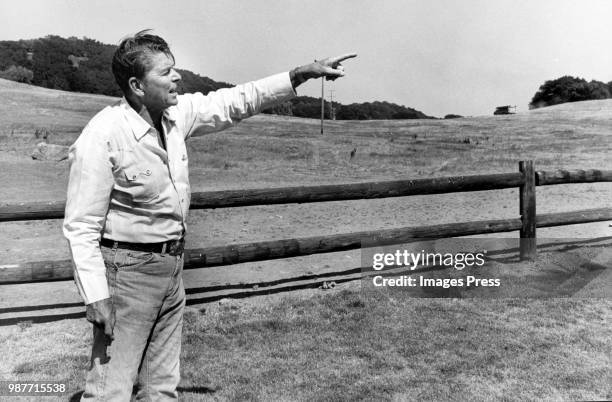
(148, 298)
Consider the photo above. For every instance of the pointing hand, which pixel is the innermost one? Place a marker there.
(330, 68)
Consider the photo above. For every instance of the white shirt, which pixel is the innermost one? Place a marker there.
(125, 186)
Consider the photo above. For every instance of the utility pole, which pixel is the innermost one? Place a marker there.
(322, 102)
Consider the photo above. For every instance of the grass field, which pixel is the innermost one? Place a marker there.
(347, 343)
(353, 345)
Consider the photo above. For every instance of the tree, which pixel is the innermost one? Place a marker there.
(569, 89)
(599, 90)
(48, 60)
(17, 73)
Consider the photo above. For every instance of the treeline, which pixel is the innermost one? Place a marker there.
(570, 89)
(73, 64)
(307, 106)
(83, 65)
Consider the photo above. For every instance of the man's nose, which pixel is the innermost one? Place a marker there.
(176, 76)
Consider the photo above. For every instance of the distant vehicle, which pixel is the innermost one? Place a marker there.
(504, 110)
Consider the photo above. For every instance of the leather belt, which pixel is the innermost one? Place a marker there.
(172, 247)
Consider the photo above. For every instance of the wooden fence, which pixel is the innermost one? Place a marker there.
(526, 222)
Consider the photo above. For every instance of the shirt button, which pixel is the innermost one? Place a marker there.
(134, 177)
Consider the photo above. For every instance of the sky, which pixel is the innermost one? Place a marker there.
(437, 56)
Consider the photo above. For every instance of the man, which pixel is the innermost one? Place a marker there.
(128, 198)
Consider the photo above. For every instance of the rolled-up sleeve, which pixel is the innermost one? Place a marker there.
(225, 107)
(89, 189)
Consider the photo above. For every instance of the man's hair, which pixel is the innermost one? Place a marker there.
(132, 56)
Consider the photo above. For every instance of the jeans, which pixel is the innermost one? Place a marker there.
(147, 294)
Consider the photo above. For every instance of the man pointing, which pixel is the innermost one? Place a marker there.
(128, 197)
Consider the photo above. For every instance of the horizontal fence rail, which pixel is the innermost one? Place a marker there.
(545, 178)
(340, 192)
(301, 194)
(356, 191)
(268, 250)
(32, 211)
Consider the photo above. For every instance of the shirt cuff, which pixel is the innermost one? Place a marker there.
(91, 282)
(279, 87)
(293, 91)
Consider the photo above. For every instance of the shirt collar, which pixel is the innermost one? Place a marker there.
(140, 127)
(170, 114)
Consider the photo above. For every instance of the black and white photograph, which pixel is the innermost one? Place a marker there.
(283, 200)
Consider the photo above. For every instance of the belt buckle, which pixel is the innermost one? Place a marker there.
(175, 247)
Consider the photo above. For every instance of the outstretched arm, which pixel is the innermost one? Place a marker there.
(204, 114)
(330, 68)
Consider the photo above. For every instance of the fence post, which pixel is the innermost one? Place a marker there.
(528, 211)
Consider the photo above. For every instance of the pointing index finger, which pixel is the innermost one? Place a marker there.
(344, 57)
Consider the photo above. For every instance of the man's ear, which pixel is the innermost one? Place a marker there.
(136, 86)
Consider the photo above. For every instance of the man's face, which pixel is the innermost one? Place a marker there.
(160, 82)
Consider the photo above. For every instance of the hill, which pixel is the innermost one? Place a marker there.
(26, 108)
(83, 65)
(275, 150)
(78, 65)
(307, 106)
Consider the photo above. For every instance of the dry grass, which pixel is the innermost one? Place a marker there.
(380, 346)
(362, 345)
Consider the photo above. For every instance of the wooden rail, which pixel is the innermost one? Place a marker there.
(340, 192)
(526, 180)
(41, 271)
(302, 194)
(546, 178)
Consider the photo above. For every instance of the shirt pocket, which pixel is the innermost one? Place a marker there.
(142, 184)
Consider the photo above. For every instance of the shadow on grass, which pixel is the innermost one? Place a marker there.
(41, 319)
(197, 390)
(37, 319)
